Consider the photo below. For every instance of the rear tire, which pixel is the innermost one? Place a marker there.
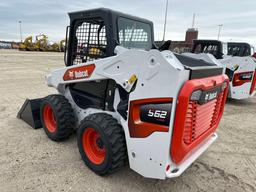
(57, 117)
(101, 143)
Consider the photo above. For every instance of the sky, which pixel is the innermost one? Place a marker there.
(50, 17)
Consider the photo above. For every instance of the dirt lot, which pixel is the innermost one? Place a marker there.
(29, 161)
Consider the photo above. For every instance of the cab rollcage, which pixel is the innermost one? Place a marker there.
(240, 49)
(93, 34)
(202, 44)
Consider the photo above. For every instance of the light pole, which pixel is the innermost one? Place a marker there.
(165, 19)
(220, 27)
(20, 32)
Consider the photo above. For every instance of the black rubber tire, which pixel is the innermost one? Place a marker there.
(113, 137)
(64, 117)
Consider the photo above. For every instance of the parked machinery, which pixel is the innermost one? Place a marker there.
(239, 64)
(129, 101)
(41, 43)
(62, 45)
(27, 45)
(54, 47)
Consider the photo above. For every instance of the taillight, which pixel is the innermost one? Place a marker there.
(243, 77)
(253, 83)
(254, 55)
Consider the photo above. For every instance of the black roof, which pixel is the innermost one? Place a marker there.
(103, 11)
(239, 43)
(207, 41)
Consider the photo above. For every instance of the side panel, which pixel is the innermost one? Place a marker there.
(94, 94)
(149, 155)
(147, 116)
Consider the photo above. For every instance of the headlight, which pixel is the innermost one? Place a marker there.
(196, 95)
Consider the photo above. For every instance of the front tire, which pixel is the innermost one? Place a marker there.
(57, 117)
(101, 143)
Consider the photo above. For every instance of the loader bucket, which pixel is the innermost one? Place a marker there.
(30, 113)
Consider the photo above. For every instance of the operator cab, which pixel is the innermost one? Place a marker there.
(94, 34)
(214, 47)
(218, 48)
(239, 49)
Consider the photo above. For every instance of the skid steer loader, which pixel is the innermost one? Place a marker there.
(239, 65)
(128, 101)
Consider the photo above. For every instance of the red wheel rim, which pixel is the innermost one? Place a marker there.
(93, 146)
(49, 119)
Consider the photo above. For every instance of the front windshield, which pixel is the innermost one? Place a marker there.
(134, 34)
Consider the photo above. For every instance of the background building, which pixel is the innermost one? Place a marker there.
(183, 46)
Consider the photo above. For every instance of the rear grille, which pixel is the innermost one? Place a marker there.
(200, 118)
(195, 120)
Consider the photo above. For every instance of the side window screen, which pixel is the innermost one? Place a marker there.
(90, 41)
(134, 34)
(234, 50)
(246, 51)
(239, 50)
(212, 49)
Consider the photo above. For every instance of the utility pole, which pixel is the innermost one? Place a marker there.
(220, 27)
(193, 21)
(20, 32)
(165, 19)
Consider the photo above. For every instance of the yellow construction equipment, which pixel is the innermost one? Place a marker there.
(41, 43)
(55, 47)
(27, 45)
(62, 45)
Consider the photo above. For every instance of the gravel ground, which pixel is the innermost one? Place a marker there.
(29, 161)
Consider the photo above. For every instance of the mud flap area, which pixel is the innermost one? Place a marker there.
(30, 113)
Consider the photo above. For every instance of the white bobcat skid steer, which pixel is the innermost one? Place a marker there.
(238, 63)
(130, 102)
